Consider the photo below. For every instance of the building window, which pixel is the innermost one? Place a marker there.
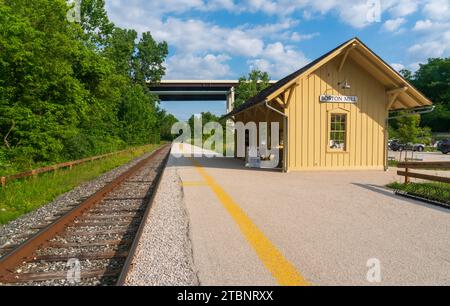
(338, 132)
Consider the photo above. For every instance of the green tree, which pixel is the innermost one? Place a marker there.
(68, 90)
(137, 115)
(250, 86)
(407, 74)
(408, 130)
(433, 79)
(40, 94)
(206, 118)
(143, 62)
(167, 121)
(95, 22)
(120, 49)
(149, 59)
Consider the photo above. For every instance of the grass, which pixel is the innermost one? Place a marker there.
(431, 149)
(23, 196)
(392, 163)
(433, 191)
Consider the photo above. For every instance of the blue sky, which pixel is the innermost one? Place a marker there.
(224, 39)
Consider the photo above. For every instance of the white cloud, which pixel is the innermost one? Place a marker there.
(397, 66)
(415, 66)
(194, 36)
(267, 6)
(401, 8)
(393, 25)
(433, 47)
(279, 60)
(198, 67)
(269, 46)
(202, 49)
(433, 31)
(221, 4)
(297, 37)
(356, 13)
(437, 9)
(269, 30)
(423, 25)
(352, 12)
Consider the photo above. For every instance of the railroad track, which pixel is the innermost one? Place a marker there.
(94, 242)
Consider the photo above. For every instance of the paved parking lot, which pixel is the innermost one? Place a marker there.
(250, 227)
(424, 156)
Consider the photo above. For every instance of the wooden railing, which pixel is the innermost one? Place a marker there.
(5, 179)
(424, 166)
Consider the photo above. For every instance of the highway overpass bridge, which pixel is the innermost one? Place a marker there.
(197, 90)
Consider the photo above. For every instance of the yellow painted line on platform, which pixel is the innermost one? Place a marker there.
(282, 270)
(194, 184)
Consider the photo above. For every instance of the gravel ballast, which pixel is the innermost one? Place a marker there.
(164, 253)
(19, 230)
(96, 248)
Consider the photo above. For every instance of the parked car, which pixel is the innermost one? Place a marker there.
(396, 145)
(419, 147)
(444, 146)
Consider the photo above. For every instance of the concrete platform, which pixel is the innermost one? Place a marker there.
(254, 227)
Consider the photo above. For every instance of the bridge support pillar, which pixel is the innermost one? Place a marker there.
(230, 123)
(230, 100)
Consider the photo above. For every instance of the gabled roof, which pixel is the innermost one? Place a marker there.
(408, 97)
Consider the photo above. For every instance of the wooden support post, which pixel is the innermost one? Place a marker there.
(55, 170)
(344, 58)
(291, 93)
(386, 141)
(397, 90)
(286, 144)
(392, 100)
(34, 173)
(393, 95)
(406, 176)
(279, 100)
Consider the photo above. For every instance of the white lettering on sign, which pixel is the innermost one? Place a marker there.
(338, 99)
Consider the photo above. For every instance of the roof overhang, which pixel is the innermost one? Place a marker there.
(403, 94)
(407, 96)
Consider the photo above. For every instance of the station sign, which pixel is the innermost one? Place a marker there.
(338, 99)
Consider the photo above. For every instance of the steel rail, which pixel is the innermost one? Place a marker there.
(128, 262)
(25, 251)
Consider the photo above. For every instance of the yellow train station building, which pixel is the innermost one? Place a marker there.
(333, 113)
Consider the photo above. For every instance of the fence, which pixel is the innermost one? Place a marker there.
(5, 179)
(424, 166)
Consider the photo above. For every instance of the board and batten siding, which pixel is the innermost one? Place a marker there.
(309, 120)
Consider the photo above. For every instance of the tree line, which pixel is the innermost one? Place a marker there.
(74, 89)
(433, 80)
